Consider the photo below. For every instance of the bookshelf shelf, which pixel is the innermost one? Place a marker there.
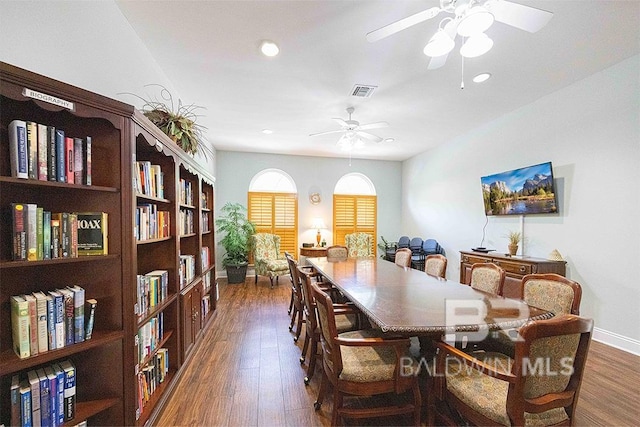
(148, 241)
(58, 185)
(152, 199)
(171, 298)
(88, 409)
(81, 259)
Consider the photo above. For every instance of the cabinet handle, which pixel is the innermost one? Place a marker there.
(523, 268)
(487, 261)
(496, 262)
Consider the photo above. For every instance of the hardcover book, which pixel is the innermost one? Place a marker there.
(78, 154)
(78, 312)
(19, 232)
(34, 383)
(59, 373)
(18, 149)
(45, 398)
(32, 231)
(69, 389)
(43, 153)
(46, 234)
(69, 316)
(15, 400)
(20, 326)
(69, 160)
(32, 149)
(89, 317)
(92, 233)
(25, 404)
(58, 316)
(33, 324)
(52, 166)
(61, 170)
(41, 309)
(86, 161)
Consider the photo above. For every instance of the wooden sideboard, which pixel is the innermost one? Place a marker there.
(515, 268)
(313, 252)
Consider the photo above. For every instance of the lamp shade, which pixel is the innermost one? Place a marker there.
(440, 44)
(476, 20)
(476, 45)
(318, 224)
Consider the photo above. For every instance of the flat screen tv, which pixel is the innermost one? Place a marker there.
(523, 191)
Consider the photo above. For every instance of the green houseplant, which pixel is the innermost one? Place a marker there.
(514, 239)
(237, 231)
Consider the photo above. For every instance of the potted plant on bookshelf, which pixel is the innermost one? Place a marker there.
(237, 231)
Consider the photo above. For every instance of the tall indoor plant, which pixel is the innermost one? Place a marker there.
(237, 231)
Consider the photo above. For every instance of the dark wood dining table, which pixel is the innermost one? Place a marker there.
(412, 303)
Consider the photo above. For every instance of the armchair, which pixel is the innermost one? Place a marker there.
(359, 244)
(267, 258)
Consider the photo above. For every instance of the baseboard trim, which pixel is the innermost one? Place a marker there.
(616, 340)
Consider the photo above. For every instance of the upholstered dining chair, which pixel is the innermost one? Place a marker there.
(359, 244)
(337, 252)
(487, 277)
(363, 363)
(538, 387)
(267, 258)
(347, 318)
(296, 308)
(403, 257)
(436, 265)
(548, 291)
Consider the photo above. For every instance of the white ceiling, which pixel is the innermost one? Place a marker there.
(209, 51)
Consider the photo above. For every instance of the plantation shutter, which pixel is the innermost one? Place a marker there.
(276, 213)
(353, 213)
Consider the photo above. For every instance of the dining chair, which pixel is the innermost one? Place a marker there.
(539, 386)
(548, 291)
(296, 305)
(487, 277)
(403, 257)
(267, 258)
(346, 319)
(337, 252)
(364, 363)
(359, 244)
(436, 265)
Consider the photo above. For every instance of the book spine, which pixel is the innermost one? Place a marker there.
(32, 233)
(46, 234)
(55, 235)
(60, 157)
(39, 233)
(51, 322)
(45, 399)
(53, 395)
(19, 232)
(59, 373)
(32, 149)
(51, 159)
(78, 313)
(65, 236)
(69, 390)
(69, 317)
(73, 226)
(78, 154)
(15, 400)
(86, 160)
(59, 318)
(43, 153)
(34, 383)
(25, 404)
(69, 160)
(33, 324)
(20, 326)
(41, 309)
(89, 312)
(18, 149)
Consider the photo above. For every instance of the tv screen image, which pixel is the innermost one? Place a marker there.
(523, 191)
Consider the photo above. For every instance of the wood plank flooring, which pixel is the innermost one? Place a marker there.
(246, 372)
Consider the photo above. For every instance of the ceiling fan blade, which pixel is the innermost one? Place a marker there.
(369, 136)
(437, 62)
(402, 24)
(341, 122)
(327, 132)
(375, 125)
(517, 15)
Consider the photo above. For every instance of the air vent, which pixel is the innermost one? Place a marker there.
(363, 91)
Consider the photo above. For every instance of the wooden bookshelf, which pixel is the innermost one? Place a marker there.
(107, 365)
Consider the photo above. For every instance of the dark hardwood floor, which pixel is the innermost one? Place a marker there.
(246, 372)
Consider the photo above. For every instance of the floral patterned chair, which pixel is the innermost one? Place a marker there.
(267, 258)
(359, 244)
(436, 265)
(403, 257)
(487, 277)
(538, 387)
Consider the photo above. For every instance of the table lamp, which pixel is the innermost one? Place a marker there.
(318, 224)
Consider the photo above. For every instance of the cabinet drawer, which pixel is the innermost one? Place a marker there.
(470, 259)
(514, 267)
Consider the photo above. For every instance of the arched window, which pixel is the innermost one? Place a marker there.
(273, 206)
(354, 208)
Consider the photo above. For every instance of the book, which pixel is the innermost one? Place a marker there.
(51, 322)
(86, 160)
(41, 311)
(20, 326)
(89, 317)
(39, 233)
(59, 373)
(78, 154)
(18, 211)
(69, 389)
(73, 227)
(45, 398)
(64, 236)
(46, 234)
(33, 324)
(25, 404)
(43, 153)
(32, 231)
(61, 170)
(34, 383)
(32, 149)
(93, 231)
(52, 166)
(52, 379)
(69, 316)
(18, 149)
(69, 160)
(15, 400)
(58, 316)
(55, 235)
(78, 312)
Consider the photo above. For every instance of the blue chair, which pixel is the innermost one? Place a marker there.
(431, 247)
(416, 252)
(403, 242)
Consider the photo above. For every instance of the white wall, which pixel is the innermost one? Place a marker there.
(87, 44)
(311, 174)
(590, 131)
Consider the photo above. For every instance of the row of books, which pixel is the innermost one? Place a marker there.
(185, 222)
(206, 306)
(151, 290)
(150, 377)
(39, 234)
(187, 269)
(149, 337)
(45, 153)
(148, 179)
(204, 200)
(150, 223)
(205, 257)
(44, 321)
(205, 222)
(185, 193)
(45, 397)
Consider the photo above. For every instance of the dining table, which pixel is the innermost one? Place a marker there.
(409, 302)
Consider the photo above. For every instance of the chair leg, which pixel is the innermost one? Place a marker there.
(290, 303)
(277, 277)
(336, 419)
(293, 317)
(322, 391)
(305, 347)
(256, 278)
(298, 326)
(313, 355)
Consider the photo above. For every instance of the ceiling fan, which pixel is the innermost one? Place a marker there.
(353, 133)
(471, 18)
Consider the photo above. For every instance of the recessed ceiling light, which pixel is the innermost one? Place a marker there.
(269, 48)
(267, 131)
(389, 140)
(482, 77)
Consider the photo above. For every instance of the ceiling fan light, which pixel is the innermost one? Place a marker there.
(269, 48)
(476, 20)
(476, 45)
(440, 44)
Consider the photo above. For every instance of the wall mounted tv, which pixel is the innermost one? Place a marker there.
(523, 191)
